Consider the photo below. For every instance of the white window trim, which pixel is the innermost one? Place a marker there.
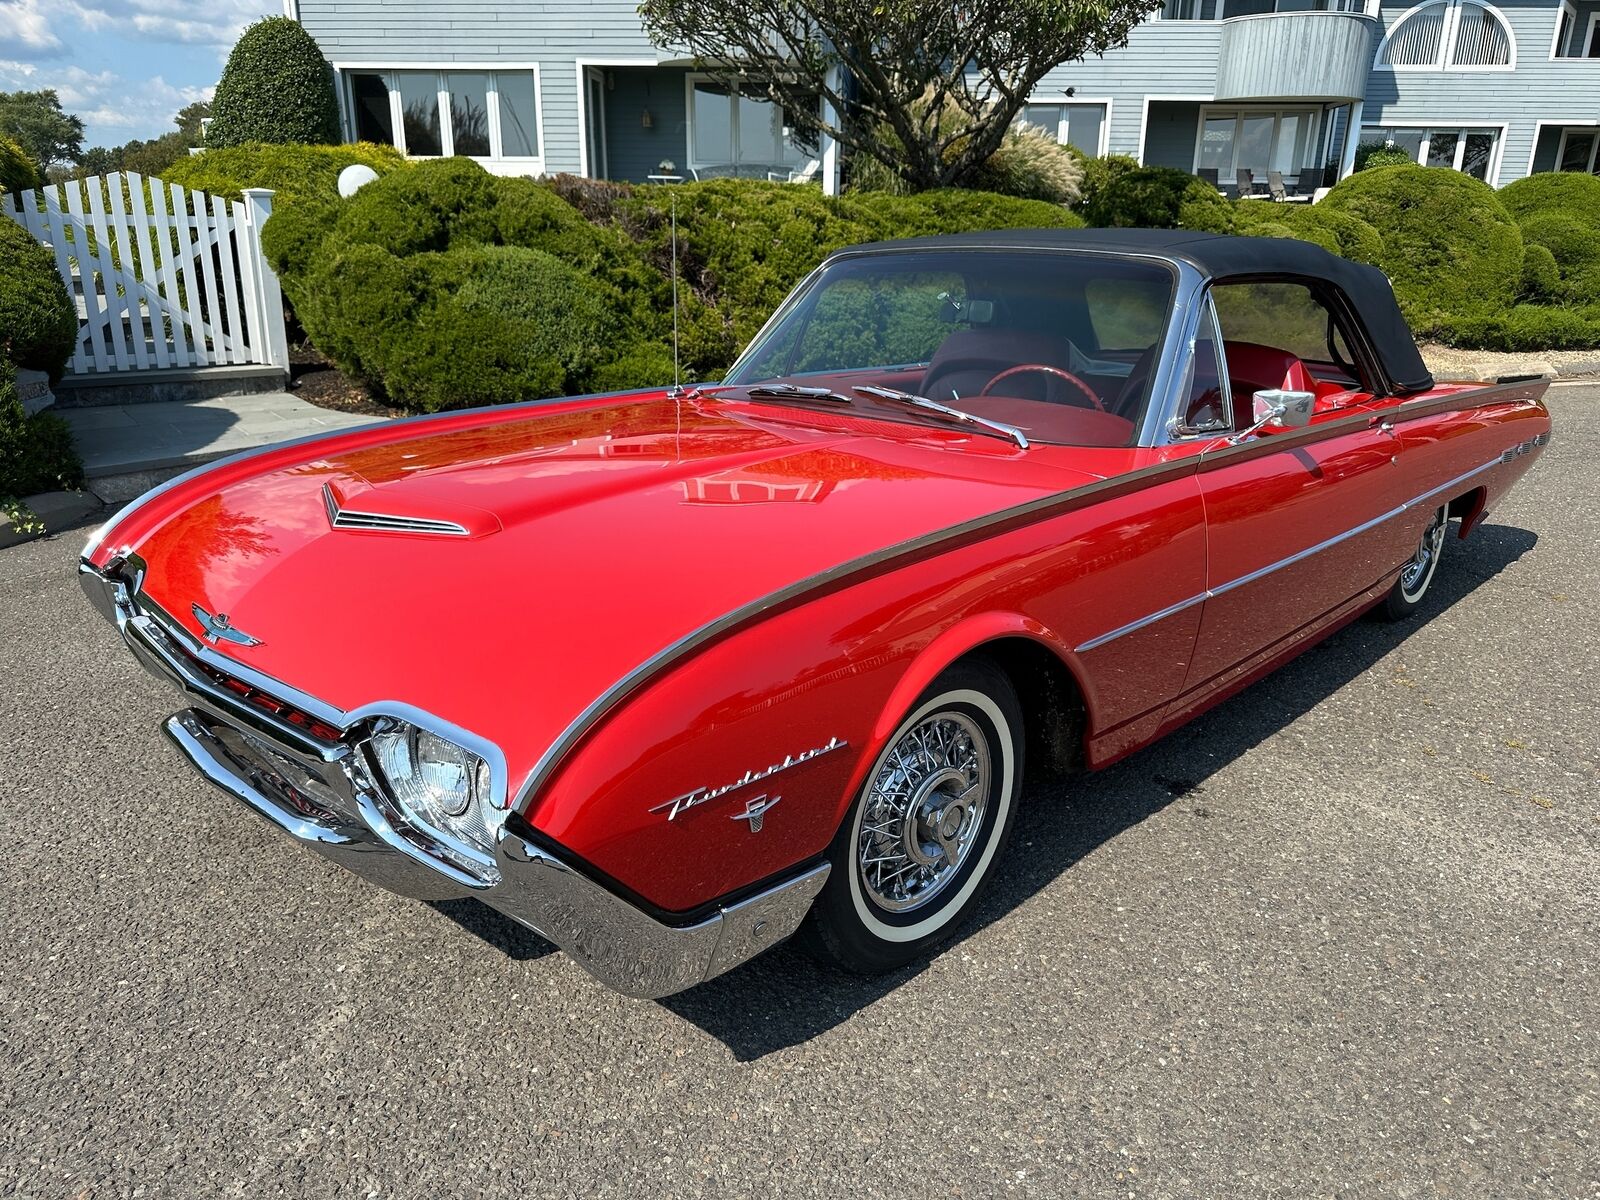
(1564, 9)
(533, 163)
(1101, 102)
(1313, 132)
(1429, 128)
(1588, 36)
(1539, 128)
(1369, 8)
(1447, 41)
(689, 80)
(1561, 146)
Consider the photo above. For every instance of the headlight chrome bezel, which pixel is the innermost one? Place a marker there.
(442, 783)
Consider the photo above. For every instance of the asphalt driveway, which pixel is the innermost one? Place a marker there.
(1337, 938)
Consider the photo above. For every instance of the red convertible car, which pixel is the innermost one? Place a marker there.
(668, 676)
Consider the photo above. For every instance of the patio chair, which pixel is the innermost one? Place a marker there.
(1279, 192)
(804, 174)
(1209, 174)
(1246, 179)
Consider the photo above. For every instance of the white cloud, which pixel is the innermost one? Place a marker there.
(25, 30)
(43, 29)
(114, 108)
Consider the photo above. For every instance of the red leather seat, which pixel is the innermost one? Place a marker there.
(1253, 367)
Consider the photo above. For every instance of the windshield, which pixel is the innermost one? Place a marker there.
(1057, 345)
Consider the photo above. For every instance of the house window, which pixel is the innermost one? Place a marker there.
(1080, 125)
(1578, 151)
(1257, 140)
(737, 131)
(425, 114)
(1471, 151)
(1566, 19)
(1448, 34)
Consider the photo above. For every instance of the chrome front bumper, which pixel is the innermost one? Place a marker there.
(320, 794)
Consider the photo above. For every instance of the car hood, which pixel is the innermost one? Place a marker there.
(503, 569)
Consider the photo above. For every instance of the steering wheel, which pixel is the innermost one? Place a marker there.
(1043, 369)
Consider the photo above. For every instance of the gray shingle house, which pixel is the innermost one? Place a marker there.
(1494, 89)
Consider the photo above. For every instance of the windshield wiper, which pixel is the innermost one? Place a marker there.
(923, 404)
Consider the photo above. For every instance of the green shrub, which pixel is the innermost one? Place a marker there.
(291, 171)
(1541, 277)
(1449, 246)
(1099, 173)
(1525, 327)
(1340, 232)
(36, 453)
(38, 322)
(276, 87)
(1381, 154)
(425, 207)
(1574, 193)
(1575, 246)
(1156, 198)
(18, 172)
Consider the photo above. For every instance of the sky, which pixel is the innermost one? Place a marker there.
(124, 66)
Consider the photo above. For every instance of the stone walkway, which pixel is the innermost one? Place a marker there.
(128, 447)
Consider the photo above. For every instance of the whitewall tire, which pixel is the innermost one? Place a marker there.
(922, 839)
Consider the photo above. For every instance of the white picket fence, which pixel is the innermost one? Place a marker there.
(163, 276)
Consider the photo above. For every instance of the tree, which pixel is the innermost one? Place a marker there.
(276, 87)
(34, 120)
(905, 60)
(189, 121)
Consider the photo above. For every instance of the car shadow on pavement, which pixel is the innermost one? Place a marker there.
(783, 998)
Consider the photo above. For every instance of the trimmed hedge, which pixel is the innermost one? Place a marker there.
(36, 453)
(1381, 154)
(292, 171)
(1525, 327)
(1154, 198)
(18, 172)
(444, 285)
(1575, 193)
(276, 87)
(1448, 244)
(38, 322)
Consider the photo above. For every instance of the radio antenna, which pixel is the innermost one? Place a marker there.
(677, 384)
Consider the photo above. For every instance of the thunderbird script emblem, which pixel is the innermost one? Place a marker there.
(217, 629)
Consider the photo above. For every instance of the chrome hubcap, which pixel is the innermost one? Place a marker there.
(923, 812)
(1415, 574)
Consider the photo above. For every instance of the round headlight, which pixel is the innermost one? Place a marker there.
(437, 783)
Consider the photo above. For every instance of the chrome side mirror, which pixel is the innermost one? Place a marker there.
(1278, 409)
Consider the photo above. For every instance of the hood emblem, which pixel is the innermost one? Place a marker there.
(216, 628)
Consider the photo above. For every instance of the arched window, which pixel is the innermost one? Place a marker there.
(1449, 34)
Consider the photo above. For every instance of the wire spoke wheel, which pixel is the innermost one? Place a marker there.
(1416, 574)
(923, 812)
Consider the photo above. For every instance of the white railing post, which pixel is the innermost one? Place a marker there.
(269, 298)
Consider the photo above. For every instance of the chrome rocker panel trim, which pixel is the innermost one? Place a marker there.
(248, 755)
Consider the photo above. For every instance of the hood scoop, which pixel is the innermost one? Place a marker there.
(367, 511)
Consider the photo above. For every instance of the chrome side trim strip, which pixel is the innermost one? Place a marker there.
(1299, 556)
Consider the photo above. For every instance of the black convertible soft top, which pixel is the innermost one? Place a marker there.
(1366, 291)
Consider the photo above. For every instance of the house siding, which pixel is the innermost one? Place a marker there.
(1153, 85)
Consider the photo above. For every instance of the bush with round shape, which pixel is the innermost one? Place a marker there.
(291, 171)
(276, 87)
(1381, 154)
(425, 207)
(1575, 246)
(1156, 198)
(18, 172)
(38, 321)
(1449, 246)
(1541, 277)
(1335, 231)
(1575, 194)
(1098, 173)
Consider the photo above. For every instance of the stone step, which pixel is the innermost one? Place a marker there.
(167, 385)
